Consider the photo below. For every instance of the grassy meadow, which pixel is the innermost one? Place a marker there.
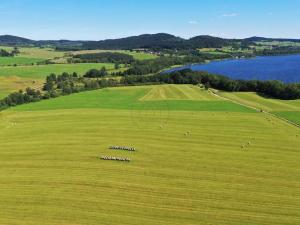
(17, 60)
(21, 71)
(20, 77)
(288, 109)
(29, 55)
(136, 55)
(41, 71)
(199, 160)
(13, 83)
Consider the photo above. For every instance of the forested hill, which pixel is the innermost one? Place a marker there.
(14, 40)
(11, 40)
(145, 41)
(259, 39)
(159, 41)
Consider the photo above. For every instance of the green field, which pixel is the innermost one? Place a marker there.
(278, 43)
(29, 55)
(34, 52)
(13, 83)
(288, 109)
(199, 160)
(18, 60)
(291, 116)
(129, 98)
(20, 77)
(42, 71)
(136, 55)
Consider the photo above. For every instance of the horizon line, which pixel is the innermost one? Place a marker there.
(137, 35)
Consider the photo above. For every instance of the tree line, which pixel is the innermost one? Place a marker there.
(55, 86)
(5, 53)
(279, 50)
(153, 66)
(103, 57)
(65, 84)
(274, 89)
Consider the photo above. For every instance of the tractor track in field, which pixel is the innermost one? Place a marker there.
(256, 109)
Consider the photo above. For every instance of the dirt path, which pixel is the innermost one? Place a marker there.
(257, 109)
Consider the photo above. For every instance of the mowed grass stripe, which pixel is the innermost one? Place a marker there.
(177, 92)
(205, 178)
(129, 98)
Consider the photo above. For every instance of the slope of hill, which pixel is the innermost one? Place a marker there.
(14, 40)
(191, 166)
(205, 41)
(287, 109)
(160, 40)
(259, 39)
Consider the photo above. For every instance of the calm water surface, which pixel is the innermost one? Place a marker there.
(285, 68)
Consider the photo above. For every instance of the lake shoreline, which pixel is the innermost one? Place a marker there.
(285, 68)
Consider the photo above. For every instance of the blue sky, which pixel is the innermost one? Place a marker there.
(102, 19)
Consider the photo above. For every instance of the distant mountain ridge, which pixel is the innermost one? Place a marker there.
(14, 40)
(148, 41)
(257, 39)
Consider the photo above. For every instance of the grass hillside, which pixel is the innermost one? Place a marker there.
(199, 160)
(136, 55)
(178, 92)
(44, 70)
(12, 83)
(18, 60)
(20, 77)
(289, 110)
(129, 98)
(29, 55)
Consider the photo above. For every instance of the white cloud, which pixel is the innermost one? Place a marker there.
(193, 22)
(230, 15)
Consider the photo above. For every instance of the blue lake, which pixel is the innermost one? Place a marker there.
(284, 68)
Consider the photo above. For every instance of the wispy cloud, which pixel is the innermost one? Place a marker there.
(193, 22)
(230, 15)
(270, 14)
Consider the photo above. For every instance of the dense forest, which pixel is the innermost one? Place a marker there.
(103, 57)
(158, 42)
